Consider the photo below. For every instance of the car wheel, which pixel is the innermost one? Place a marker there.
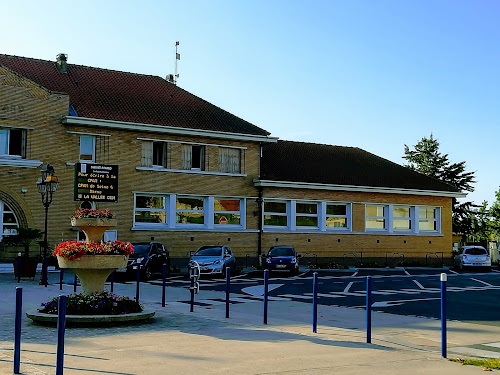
(148, 273)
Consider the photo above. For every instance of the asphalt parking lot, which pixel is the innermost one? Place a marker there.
(472, 296)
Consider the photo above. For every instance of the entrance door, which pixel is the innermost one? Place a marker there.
(8, 221)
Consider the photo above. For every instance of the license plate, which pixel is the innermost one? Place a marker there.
(281, 266)
(123, 269)
(203, 268)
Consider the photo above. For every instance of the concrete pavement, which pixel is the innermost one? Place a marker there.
(205, 342)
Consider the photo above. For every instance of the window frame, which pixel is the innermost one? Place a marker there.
(347, 216)
(239, 212)
(301, 214)
(203, 211)
(285, 214)
(436, 219)
(93, 154)
(165, 209)
(8, 143)
(164, 154)
(384, 216)
(410, 218)
(5, 209)
(225, 152)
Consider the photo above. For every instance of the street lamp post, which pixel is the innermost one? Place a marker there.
(46, 186)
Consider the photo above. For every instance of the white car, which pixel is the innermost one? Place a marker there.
(472, 256)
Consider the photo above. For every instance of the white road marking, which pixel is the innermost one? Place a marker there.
(407, 272)
(348, 287)
(456, 273)
(418, 284)
(494, 344)
(482, 282)
(354, 274)
(400, 302)
(258, 290)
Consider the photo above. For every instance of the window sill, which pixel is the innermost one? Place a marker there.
(193, 229)
(193, 171)
(24, 163)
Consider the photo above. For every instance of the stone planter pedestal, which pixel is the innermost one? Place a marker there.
(93, 270)
(94, 228)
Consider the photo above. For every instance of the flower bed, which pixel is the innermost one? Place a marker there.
(103, 303)
(86, 213)
(76, 249)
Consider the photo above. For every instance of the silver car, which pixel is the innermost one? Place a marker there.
(214, 260)
(472, 256)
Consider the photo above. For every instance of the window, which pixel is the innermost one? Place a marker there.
(401, 218)
(227, 211)
(306, 214)
(87, 148)
(160, 154)
(13, 143)
(275, 213)
(193, 157)
(229, 160)
(427, 219)
(8, 221)
(189, 210)
(375, 217)
(336, 216)
(150, 209)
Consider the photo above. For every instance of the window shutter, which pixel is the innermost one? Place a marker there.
(234, 160)
(147, 154)
(186, 156)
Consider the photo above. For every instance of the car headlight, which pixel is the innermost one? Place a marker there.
(294, 260)
(269, 260)
(139, 260)
(218, 261)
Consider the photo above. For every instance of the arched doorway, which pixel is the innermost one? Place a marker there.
(8, 220)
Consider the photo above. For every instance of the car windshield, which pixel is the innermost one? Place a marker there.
(141, 249)
(282, 252)
(209, 252)
(475, 251)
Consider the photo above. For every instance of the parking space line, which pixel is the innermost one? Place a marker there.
(354, 274)
(482, 282)
(407, 272)
(455, 272)
(348, 287)
(418, 284)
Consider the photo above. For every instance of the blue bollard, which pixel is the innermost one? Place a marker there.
(368, 309)
(266, 293)
(46, 274)
(191, 308)
(228, 287)
(18, 262)
(61, 327)
(17, 330)
(61, 277)
(75, 282)
(444, 279)
(163, 285)
(138, 274)
(112, 287)
(315, 302)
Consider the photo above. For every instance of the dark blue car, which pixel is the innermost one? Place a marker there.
(282, 258)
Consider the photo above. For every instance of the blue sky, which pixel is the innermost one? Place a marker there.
(374, 74)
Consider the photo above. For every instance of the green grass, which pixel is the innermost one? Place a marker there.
(490, 363)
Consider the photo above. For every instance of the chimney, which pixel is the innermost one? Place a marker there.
(61, 63)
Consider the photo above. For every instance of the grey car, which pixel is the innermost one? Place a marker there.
(472, 256)
(214, 260)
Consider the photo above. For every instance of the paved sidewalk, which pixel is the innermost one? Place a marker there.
(205, 342)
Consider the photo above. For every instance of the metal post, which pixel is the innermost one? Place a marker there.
(315, 302)
(444, 279)
(17, 330)
(228, 287)
(18, 261)
(61, 325)
(138, 274)
(61, 277)
(46, 277)
(191, 308)
(164, 278)
(368, 309)
(75, 281)
(266, 293)
(112, 287)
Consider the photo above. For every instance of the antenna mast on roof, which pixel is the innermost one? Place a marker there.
(177, 57)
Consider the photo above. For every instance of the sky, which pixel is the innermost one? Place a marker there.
(374, 74)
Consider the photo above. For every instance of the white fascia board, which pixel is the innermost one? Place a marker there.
(72, 120)
(364, 189)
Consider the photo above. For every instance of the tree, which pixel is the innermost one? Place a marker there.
(494, 212)
(426, 158)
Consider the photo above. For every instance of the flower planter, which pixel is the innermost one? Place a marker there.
(93, 228)
(93, 270)
(27, 268)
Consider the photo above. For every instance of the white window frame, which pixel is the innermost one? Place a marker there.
(241, 212)
(5, 142)
(410, 219)
(4, 208)
(164, 209)
(92, 160)
(347, 216)
(316, 215)
(286, 214)
(203, 211)
(164, 150)
(436, 219)
(385, 217)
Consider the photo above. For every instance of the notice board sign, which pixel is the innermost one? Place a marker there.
(96, 182)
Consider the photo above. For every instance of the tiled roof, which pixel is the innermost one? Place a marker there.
(120, 96)
(336, 165)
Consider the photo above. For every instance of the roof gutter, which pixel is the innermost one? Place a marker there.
(135, 126)
(352, 188)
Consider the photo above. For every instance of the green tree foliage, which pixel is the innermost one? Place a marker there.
(494, 214)
(426, 158)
